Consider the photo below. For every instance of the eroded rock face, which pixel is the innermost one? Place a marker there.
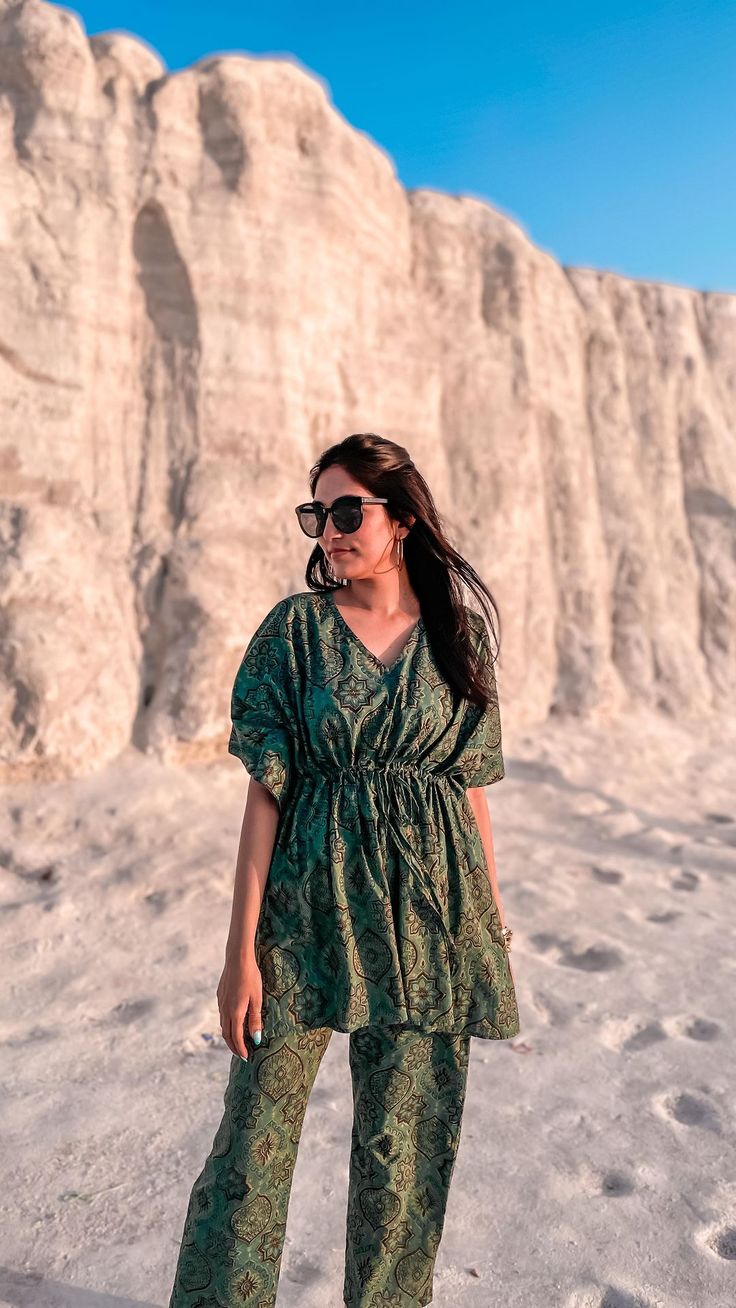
(206, 278)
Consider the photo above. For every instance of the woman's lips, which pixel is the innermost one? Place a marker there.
(346, 550)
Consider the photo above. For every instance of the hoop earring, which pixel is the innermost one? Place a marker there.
(400, 553)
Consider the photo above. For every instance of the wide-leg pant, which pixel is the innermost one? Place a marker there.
(408, 1096)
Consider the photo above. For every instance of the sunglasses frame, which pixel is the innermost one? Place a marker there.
(323, 516)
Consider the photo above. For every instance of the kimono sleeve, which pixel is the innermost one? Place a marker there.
(481, 761)
(262, 734)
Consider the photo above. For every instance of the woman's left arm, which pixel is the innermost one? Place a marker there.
(479, 804)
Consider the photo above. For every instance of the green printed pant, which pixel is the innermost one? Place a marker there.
(408, 1095)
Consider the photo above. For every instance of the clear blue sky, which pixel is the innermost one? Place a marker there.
(607, 130)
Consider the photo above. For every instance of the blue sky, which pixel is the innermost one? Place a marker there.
(607, 130)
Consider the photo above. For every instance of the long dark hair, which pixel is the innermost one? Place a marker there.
(435, 568)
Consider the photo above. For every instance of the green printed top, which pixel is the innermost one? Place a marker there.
(377, 908)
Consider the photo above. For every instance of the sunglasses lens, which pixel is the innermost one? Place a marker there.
(310, 521)
(347, 516)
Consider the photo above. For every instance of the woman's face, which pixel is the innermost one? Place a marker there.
(366, 551)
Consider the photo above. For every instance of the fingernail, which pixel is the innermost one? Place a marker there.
(256, 1037)
(243, 1060)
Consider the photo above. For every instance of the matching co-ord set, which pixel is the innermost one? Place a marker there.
(378, 920)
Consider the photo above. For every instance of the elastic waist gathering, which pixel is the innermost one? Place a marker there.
(352, 771)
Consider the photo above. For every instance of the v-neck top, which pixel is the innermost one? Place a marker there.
(378, 908)
(352, 635)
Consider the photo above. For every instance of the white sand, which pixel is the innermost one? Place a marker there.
(596, 1165)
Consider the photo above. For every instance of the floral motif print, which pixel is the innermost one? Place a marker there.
(378, 909)
(408, 1091)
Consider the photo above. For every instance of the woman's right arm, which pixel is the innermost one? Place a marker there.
(240, 991)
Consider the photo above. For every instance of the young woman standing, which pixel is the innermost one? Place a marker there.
(366, 898)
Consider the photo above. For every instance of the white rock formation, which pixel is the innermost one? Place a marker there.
(207, 277)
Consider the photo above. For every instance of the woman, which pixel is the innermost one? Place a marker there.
(365, 896)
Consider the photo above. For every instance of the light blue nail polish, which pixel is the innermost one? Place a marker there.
(256, 1037)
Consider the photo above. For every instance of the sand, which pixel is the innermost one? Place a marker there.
(596, 1166)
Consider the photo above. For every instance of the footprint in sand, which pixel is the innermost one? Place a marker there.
(302, 1269)
(592, 1296)
(614, 1298)
(608, 876)
(45, 872)
(131, 1010)
(690, 1110)
(157, 900)
(726, 835)
(685, 881)
(668, 915)
(698, 1028)
(551, 1009)
(723, 1242)
(36, 1035)
(615, 1184)
(631, 1035)
(596, 958)
(543, 941)
(644, 1038)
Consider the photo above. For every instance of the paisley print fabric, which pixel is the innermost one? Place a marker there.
(408, 1096)
(378, 908)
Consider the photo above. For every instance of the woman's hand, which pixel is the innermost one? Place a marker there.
(240, 992)
(239, 996)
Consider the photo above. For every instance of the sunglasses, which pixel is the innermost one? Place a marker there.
(346, 510)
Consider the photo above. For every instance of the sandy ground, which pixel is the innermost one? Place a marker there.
(596, 1166)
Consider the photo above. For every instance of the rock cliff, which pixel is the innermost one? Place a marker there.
(208, 276)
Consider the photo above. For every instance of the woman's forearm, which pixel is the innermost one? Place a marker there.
(255, 850)
(477, 799)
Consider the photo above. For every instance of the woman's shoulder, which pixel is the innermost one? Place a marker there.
(293, 611)
(286, 609)
(286, 622)
(302, 601)
(480, 636)
(475, 619)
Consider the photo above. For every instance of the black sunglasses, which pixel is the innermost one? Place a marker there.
(346, 510)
